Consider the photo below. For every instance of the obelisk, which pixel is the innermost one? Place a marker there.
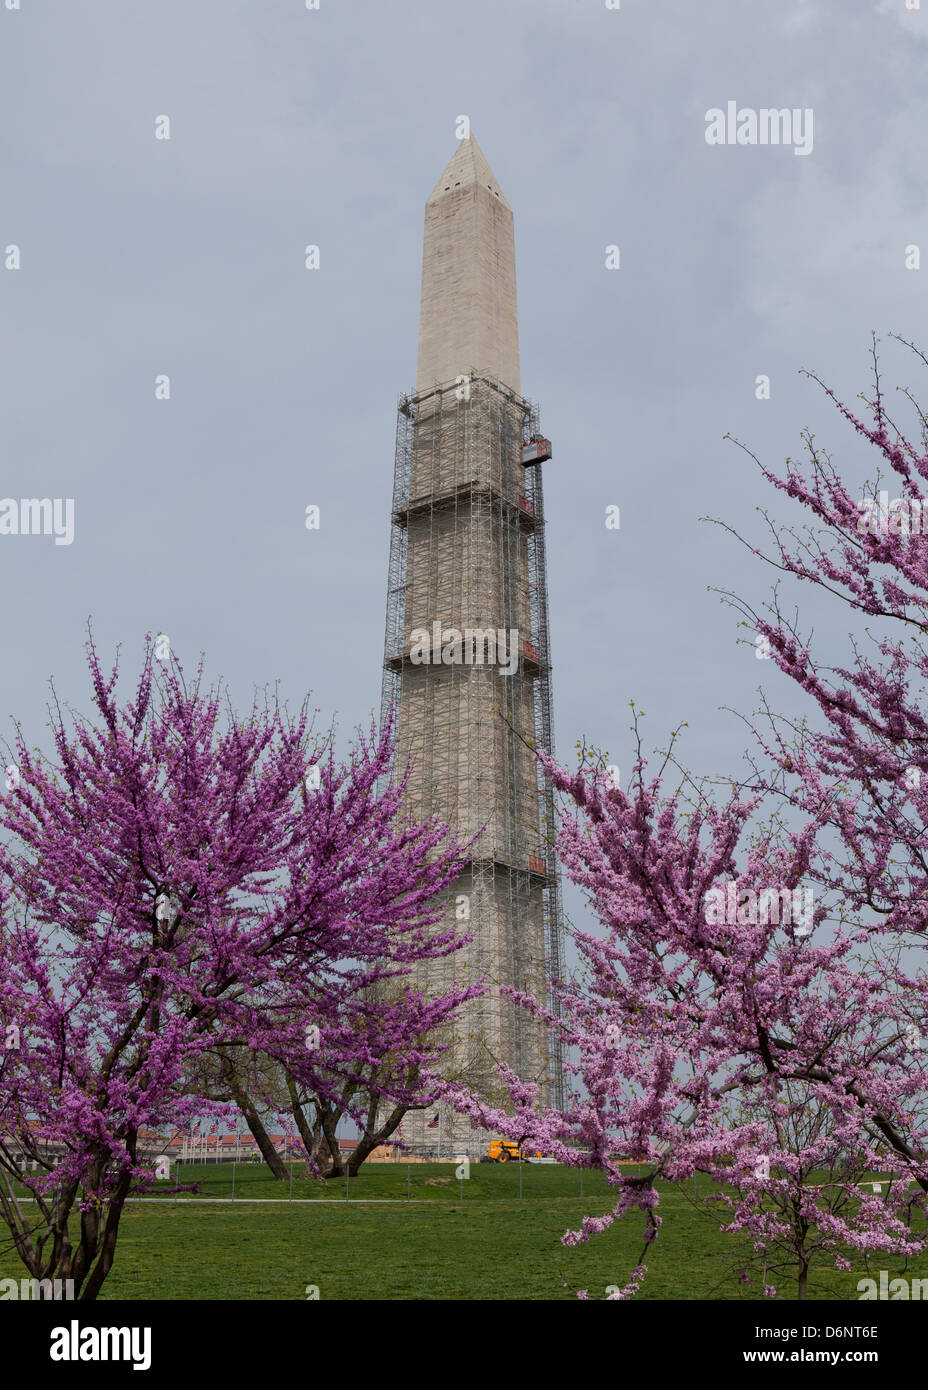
(467, 562)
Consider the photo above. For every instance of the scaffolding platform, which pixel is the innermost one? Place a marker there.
(467, 551)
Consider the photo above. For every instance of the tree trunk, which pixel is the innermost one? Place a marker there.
(262, 1138)
(309, 1138)
(369, 1142)
(108, 1245)
(329, 1122)
(320, 1138)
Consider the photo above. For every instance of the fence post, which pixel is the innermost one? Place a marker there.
(407, 1183)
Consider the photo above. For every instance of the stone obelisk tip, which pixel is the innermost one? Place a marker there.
(468, 317)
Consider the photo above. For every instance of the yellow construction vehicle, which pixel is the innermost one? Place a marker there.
(507, 1151)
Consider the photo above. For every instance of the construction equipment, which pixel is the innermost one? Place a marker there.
(538, 450)
(507, 1151)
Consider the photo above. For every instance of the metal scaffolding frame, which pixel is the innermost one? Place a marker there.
(467, 551)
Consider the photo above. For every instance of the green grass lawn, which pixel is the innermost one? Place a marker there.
(488, 1245)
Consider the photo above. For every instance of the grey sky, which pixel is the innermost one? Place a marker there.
(290, 127)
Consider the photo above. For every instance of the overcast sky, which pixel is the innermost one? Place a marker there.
(141, 257)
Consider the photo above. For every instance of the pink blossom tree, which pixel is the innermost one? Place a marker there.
(862, 770)
(177, 878)
(698, 1009)
(712, 1034)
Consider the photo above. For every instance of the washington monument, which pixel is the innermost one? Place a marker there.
(467, 657)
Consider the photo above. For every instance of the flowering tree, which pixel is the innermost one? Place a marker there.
(363, 1097)
(375, 1087)
(379, 1094)
(715, 1034)
(806, 1199)
(864, 771)
(705, 1000)
(179, 879)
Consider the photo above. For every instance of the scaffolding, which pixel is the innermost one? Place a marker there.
(467, 601)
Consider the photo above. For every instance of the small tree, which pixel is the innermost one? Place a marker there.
(806, 1193)
(176, 882)
(744, 1012)
(385, 1088)
(697, 1008)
